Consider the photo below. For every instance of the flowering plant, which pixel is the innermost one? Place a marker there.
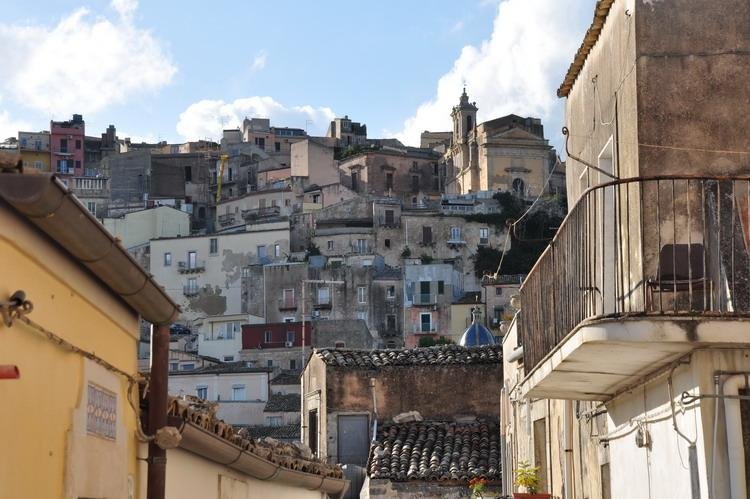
(477, 486)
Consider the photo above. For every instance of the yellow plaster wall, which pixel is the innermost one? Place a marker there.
(47, 452)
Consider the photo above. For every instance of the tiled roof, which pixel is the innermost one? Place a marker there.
(285, 432)
(470, 298)
(428, 356)
(286, 378)
(225, 368)
(436, 451)
(283, 403)
(291, 456)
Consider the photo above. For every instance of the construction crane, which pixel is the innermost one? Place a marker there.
(222, 162)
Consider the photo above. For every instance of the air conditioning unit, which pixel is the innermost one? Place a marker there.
(289, 344)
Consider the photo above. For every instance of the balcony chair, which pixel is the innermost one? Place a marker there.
(681, 268)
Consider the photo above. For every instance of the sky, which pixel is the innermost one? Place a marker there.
(184, 70)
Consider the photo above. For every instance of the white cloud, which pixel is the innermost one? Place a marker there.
(458, 26)
(9, 127)
(259, 62)
(207, 118)
(82, 64)
(516, 71)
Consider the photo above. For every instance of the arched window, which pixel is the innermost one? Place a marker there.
(201, 212)
(519, 188)
(468, 124)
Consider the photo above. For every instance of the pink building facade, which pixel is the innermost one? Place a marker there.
(67, 146)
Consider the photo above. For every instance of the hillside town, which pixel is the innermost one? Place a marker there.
(274, 313)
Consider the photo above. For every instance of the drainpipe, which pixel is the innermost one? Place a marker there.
(157, 410)
(735, 447)
(568, 450)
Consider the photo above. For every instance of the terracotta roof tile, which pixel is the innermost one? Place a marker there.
(285, 432)
(434, 356)
(436, 451)
(283, 403)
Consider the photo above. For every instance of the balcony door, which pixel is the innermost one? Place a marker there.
(192, 259)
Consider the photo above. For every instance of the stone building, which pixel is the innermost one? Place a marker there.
(429, 292)
(347, 132)
(508, 153)
(413, 175)
(204, 273)
(347, 394)
(254, 207)
(642, 382)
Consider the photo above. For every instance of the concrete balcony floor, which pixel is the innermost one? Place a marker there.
(603, 357)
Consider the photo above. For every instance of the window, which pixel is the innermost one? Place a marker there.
(192, 259)
(238, 392)
(91, 206)
(274, 203)
(340, 344)
(387, 243)
(230, 174)
(424, 292)
(289, 319)
(324, 296)
(261, 251)
(192, 285)
(468, 123)
(355, 181)
(78, 163)
(260, 142)
(202, 392)
(78, 144)
(287, 203)
(214, 245)
(455, 233)
(188, 367)
(388, 181)
(361, 246)
(167, 259)
(288, 297)
(188, 174)
(498, 291)
(389, 217)
(312, 429)
(414, 201)
(390, 322)
(63, 145)
(441, 287)
(435, 170)
(273, 420)
(414, 183)
(231, 193)
(426, 234)
(229, 358)
(361, 294)
(290, 336)
(330, 245)
(362, 316)
(277, 146)
(484, 235)
(519, 188)
(269, 363)
(425, 323)
(316, 198)
(268, 337)
(173, 366)
(292, 364)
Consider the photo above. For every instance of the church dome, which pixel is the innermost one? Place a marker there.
(476, 335)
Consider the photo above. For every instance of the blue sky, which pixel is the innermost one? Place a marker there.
(183, 70)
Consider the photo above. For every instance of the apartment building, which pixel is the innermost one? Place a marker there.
(204, 273)
(34, 150)
(625, 370)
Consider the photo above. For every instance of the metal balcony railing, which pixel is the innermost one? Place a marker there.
(189, 267)
(424, 328)
(286, 304)
(190, 290)
(256, 213)
(226, 219)
(668, 246)
(425, 299)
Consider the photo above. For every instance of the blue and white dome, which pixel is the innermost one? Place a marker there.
(476, 335)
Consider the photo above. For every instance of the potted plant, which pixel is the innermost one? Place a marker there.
(478, 486)
(527, 476)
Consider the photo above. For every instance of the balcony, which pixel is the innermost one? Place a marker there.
(227, 219)
(641, 272)
(424, 299)
(260, 213)
(424, 328)
(191, 267)
(287, 304)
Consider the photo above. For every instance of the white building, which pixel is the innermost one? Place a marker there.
(220, 336)
(240, 391)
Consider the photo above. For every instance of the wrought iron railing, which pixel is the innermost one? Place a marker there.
(642, 246)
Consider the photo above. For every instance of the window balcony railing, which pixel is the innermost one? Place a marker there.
(191, 267)
(424, 328)
(425, 299)
(226, 219)
(287, 304)
(658, 246)
(190, 290)
(267, 211)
